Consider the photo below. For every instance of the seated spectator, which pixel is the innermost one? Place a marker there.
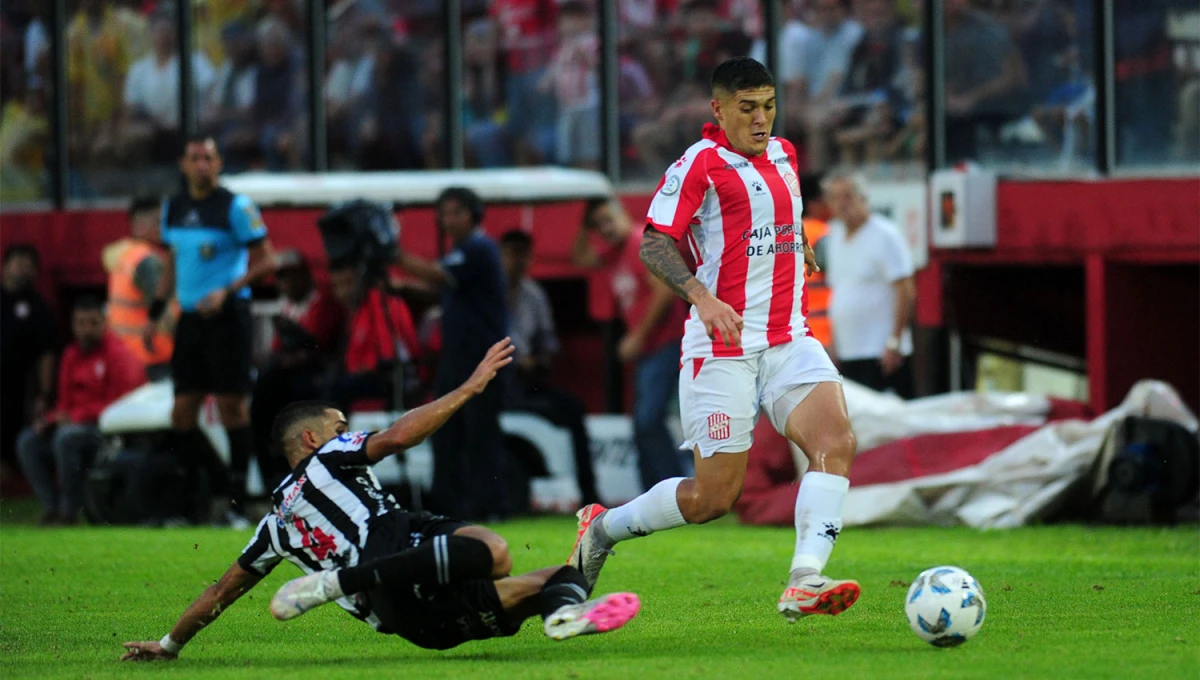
(278, 97)
(868, 107)
(707, 41)
(308, 330)
(380, 340)
(825, 65)
(95, 371)
(526, 29)
(349, 79)
(28, 344)
(573, 76)
(384, 131)
(985, 79)
(227, 113)
(150, 123)
(532, 331)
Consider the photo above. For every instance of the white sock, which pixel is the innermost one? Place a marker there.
(653, 511)
(818, 519)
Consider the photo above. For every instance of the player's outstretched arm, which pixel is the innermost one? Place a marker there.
(416, 425)
(662, 258)
(199, 614)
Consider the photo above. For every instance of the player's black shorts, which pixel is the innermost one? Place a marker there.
(213, 354)
(438, 618)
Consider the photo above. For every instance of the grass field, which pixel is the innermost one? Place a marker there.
(1063, 602)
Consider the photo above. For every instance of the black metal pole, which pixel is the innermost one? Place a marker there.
(1105, 74)
(610, 109)
(454, 84)
(318, 153)
(187, 92)
(773, 23)
(933, 38)
(60, 156)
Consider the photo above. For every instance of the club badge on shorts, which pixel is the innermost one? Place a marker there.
(718, 426)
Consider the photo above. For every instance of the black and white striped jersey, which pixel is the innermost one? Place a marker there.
(320, 515)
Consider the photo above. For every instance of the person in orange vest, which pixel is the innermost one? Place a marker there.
(135, 265)
(816, 224)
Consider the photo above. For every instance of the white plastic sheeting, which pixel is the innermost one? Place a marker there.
(1010, 488)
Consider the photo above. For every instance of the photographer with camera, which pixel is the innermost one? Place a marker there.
(468, 472)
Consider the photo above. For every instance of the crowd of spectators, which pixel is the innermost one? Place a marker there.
(1018, 80)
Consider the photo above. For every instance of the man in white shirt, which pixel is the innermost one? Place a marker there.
(869, 270)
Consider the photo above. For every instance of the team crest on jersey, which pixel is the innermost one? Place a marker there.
(672, 185)
(793, 182)
(718, 426)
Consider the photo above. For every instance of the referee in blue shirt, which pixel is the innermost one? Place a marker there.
(468, 460)
(219, 247)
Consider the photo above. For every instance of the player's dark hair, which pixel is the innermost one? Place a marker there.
(292, 414)
(144, 202)
(88, 303)
(23, 250)
(741, 73)
(516, 238)
(466, 198)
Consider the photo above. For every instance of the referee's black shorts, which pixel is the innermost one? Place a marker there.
(213, 354)
(439, 618)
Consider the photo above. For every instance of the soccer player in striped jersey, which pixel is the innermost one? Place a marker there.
(435, 581)
(735, 197)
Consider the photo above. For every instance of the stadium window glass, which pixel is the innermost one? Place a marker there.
(384, 85)
(251, 77)
(1019, 87)
(531, 87)
(123, 108)
(667, 52)
(855, 85)
(1156, 65)
(26, 102)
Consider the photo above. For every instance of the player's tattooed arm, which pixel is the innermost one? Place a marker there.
(662, 258)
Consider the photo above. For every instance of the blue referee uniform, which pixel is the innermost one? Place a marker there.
(210, 239)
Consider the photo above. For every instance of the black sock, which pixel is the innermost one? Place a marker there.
(441, 561)
(241, 447)
(567, 586)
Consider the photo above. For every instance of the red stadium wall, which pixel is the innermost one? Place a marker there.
(1110, 269)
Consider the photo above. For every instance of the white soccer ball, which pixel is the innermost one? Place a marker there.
(945, 606)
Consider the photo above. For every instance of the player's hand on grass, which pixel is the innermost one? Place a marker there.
(720, 320)
(147, 651)
(499, 356)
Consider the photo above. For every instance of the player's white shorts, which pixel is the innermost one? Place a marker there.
(719, 399)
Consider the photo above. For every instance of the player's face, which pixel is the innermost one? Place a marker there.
(332, 424)
(747, 117)
(201, 164)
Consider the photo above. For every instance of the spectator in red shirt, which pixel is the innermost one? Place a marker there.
(307, 331)
(95, 371)
(381, 338)
(527, 35)
(653, 329)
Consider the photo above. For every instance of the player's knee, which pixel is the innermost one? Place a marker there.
(502, 563)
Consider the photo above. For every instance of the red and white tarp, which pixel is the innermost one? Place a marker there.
(984, 460)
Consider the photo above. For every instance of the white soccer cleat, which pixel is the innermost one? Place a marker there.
(601, 615)
(304, 594)
(592, 545)
(815, 594)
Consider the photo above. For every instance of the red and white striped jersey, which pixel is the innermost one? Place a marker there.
(741, 217)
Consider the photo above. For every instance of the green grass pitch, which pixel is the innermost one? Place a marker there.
(1063, 602)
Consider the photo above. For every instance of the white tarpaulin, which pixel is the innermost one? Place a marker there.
(1010, 487)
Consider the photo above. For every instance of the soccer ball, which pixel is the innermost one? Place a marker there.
(945, 606)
